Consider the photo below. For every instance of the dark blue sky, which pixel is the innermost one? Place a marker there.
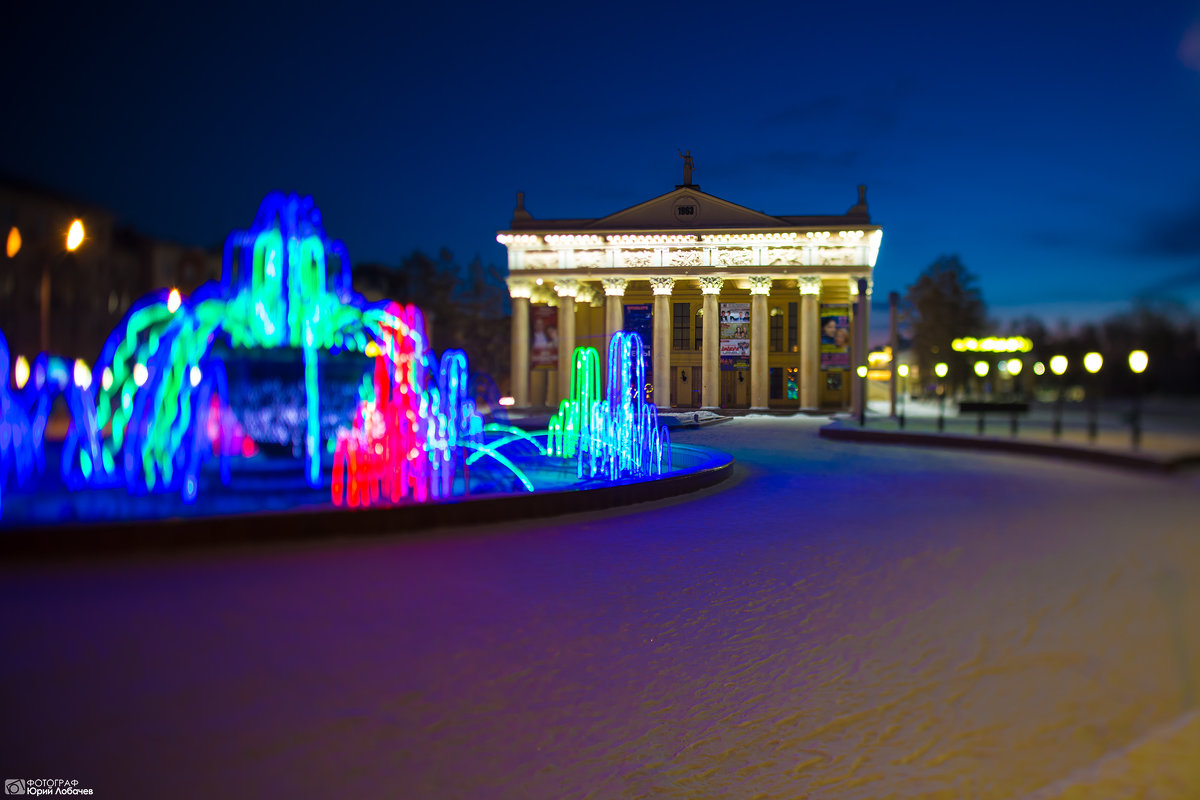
(1053, 146)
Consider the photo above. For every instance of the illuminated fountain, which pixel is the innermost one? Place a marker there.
(156, 407)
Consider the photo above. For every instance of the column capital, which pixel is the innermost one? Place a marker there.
(519, 288)
(566, 288)
(662, 286)
(614, 287)
(809, 284)
(711, 284)
(585, 293)
(760, 284)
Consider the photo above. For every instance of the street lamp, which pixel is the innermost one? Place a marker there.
(1092, 363)
(1138, 361)
(902, 370)
(75, 236)
(1058, 365)
(1014, 369)
(981, 369)
(941, 369)
(862, 382)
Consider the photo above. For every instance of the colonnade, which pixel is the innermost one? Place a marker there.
(808, 287)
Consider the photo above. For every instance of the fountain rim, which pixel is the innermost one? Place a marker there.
(313, 524)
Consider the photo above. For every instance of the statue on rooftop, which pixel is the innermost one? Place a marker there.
(688, 166)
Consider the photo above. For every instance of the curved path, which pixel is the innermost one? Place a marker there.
(837, 620)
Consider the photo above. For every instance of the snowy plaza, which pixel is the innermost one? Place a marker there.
(835, 620)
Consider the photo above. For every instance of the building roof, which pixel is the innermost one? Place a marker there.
(688, 208)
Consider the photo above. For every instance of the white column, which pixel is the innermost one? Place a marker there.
(519, 291)
(662, 340)
(565, 290)
(810, 353)
(614, 291)
(614, 322)
(760, 289)
(710, 287)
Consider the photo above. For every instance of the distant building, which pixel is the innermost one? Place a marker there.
(87, 290)
(739, 309)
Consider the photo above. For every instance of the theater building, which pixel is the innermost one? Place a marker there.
(737, 308)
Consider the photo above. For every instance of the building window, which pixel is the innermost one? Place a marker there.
(699, 328)
(775, 383)
(682, 332)
(793, 326)
(776, 330)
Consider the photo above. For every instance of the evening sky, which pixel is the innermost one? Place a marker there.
(1053, 146)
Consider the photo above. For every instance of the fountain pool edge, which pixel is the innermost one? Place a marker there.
(310, 523)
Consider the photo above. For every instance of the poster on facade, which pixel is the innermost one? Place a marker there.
(734, 325)
(835, 336)
(543, 342)
(639, 319)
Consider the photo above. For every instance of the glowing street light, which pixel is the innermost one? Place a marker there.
(981, 368)
(21, 372)
(1138, 361)
(75, 236)
(13, 245)
(1014, 366)
(1092, 362)
(1058, 365)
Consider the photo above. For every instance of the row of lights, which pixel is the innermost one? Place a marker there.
(671, 238)
(993, 344)
(1092, 362)
(74, 238)
(571, 238)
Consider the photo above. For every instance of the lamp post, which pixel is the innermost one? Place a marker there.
(981, 369)
(1014, 369)
(1092, 363)
(941, 369)
(902, 371)
(1138, 361)
(74, 240)
(862, 406)
(1058, 365)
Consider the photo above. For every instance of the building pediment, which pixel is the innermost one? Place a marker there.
(686, 207)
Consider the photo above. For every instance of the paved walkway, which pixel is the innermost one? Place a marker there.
(836, 621)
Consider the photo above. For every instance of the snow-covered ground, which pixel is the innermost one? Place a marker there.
(837, 620)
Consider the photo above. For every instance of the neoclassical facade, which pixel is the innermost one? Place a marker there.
(739, 309)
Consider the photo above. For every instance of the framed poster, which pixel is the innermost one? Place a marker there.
(734, 329)
(543, 342)
(835, 336)
(639, 319)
